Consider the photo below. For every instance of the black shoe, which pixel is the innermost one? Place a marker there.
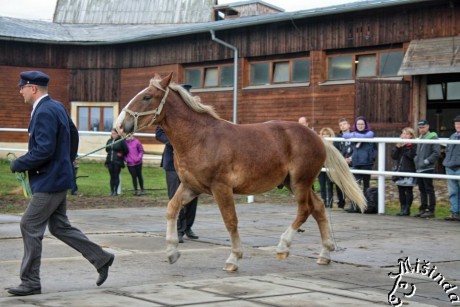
(427, 214)
(181, 238)
(24, 291)
(191, 235)
(419, 214)
(104, 271)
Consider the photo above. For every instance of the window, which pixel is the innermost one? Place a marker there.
(193, 77)
(94, 116)
(366, 65)
(340, 68)
(453, 90)
(279, 72)
(435, 91)
(390, 63)
(377, 64)
(260, 73)
(208, 77)
(301, 71)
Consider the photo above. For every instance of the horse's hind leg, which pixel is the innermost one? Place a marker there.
(303, 211)
(226, 205)
(319, 214)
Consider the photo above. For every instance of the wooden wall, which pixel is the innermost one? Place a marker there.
(118, 72)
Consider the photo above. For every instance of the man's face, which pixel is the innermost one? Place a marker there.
(344, 126)
(423, 129)
(28, 91)
(457, 127)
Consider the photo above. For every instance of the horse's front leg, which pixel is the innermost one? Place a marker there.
(226, 205)
(180, 198)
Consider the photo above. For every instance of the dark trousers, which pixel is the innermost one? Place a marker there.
(406, 196)
(340, 197)
(136, 175)
(51, 209)
(114, 171)
(326, 188)
(365, 179)
(427, 196)
(188, 212)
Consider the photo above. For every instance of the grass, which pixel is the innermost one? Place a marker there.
(93, 181)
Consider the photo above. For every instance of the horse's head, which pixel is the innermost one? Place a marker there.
(145, 108)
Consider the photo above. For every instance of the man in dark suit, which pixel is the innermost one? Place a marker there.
(188, 212)
(53, 145)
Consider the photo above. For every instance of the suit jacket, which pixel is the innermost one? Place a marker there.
(53, 145)
(167, 158)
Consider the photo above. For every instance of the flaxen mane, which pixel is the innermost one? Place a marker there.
(194, 102)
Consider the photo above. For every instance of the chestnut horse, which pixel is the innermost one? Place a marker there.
(216, 157)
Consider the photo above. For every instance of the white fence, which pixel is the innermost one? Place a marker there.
(381, 159)
(381, 173)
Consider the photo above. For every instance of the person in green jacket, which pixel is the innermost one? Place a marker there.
(425, 159)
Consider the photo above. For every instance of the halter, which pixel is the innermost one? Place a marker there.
(155, 112)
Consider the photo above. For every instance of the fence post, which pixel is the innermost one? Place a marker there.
(381, 178)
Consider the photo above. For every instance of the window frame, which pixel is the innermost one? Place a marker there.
(355, 62)
(203, 69)
(271, 72)
(75, 105)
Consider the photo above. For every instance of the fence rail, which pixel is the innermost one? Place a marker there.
(381, 172)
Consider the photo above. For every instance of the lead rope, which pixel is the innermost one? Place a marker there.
(21, 177)
(105, 146)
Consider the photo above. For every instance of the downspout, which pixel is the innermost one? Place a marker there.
(235, 73)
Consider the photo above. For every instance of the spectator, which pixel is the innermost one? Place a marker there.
(425, 159)
(403, 154)
(325, 183)
(53, 144)
(303, 121)
(346, 150)
(134, 161)
(363, 155)
(187, 213)
(452, 164)
(116, 151)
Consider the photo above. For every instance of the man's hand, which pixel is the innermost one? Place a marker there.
(12, 168)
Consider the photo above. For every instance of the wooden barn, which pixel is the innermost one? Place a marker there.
(394, 62)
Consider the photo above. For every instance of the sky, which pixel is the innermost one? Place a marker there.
(44, 9)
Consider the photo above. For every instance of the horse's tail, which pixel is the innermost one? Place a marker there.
(339, 173)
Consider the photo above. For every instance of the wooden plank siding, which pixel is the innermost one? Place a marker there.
(117, 72)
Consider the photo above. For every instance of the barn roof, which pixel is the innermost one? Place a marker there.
(100, 34)
(431, 56)
(133, 12)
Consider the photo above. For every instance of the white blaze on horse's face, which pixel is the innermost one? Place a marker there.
(125, 122)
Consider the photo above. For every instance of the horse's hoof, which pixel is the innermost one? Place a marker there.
(282, 256)
(173, 257)
(230, 267)
(323, 261)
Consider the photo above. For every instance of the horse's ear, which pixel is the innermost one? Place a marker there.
(165, 82)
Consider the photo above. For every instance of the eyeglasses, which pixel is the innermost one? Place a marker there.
(24, 86)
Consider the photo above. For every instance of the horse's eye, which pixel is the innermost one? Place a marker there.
(147, 97)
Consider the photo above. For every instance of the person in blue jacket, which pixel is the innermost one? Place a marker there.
(53, 145)
(363, 155)
(452, 164)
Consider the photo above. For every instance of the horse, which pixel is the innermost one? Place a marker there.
(216, 157)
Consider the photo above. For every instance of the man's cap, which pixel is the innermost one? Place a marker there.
(34, 77)
(457, 118)
(422, 123)
(187, 87)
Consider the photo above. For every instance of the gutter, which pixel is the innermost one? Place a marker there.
(235, 74)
